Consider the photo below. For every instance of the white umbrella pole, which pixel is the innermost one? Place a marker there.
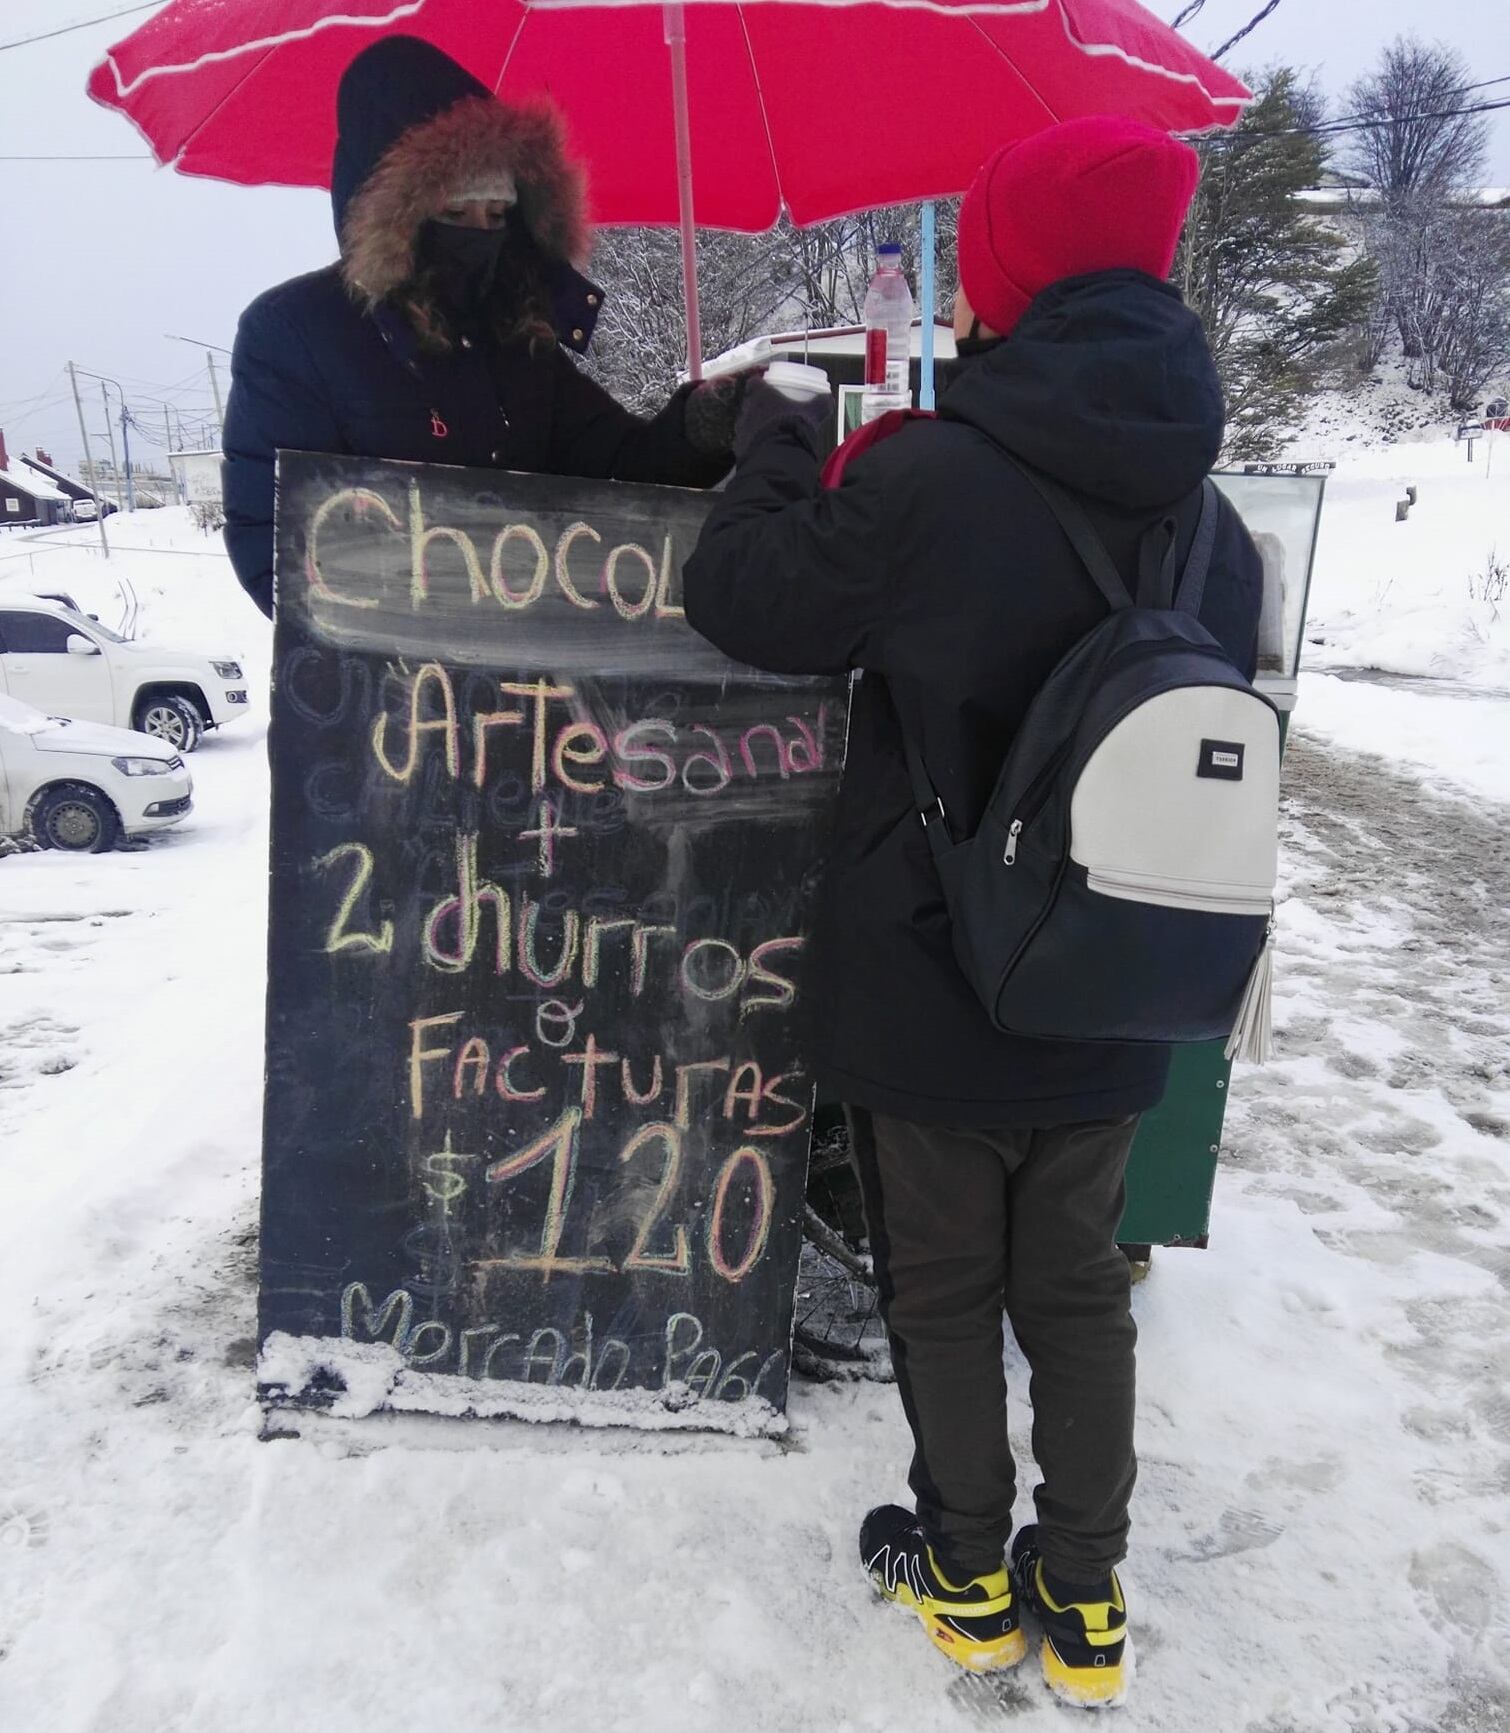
(676, 41)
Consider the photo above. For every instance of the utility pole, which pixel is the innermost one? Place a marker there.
(120, 503)
(174, 475)
(127, 454)
(126, 449)
(215, 387)
(94, 480)
(210, 351)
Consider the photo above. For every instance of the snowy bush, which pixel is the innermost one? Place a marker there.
(1492, 584)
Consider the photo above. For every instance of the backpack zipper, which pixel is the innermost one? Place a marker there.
(1034, 797)
(1178, 894)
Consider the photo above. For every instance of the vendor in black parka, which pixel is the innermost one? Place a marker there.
(439, 336)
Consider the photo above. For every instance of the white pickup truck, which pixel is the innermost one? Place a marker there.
(67, 664)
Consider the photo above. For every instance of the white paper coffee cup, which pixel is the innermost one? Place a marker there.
(795, 379)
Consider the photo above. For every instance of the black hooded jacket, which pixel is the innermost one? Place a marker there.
(936, 567)
(339, 361)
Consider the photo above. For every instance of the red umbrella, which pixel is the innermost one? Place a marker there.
(812, 107)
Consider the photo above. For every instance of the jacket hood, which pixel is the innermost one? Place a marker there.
(1107, 384)
(412, 126)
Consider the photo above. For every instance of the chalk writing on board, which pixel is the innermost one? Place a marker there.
(543, 879)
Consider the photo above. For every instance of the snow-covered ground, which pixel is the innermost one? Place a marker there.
(1417, 603)
(1417, 598)
(1322, 1538)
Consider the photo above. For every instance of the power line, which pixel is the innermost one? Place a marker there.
(1247, 30)
(83, 24)
(37, 410)
(1352, 123)
(1366, 122)
(22, 403)
(188, 380)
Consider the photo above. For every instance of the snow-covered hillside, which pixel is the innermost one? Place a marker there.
(1321, 1530)
(1424, 604)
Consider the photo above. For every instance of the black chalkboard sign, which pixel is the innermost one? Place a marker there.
(543, 875)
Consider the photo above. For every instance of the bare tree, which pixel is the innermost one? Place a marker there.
(640, 351)
(1462, 303)
(748, 284)
(831, 263)
(1419, 155)
(1417, 147)
(1445, 287)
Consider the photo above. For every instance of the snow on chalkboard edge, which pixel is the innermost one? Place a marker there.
(351, 1380)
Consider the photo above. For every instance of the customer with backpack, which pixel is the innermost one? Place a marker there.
(957, 562)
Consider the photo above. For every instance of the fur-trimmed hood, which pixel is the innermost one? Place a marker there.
(413, 126)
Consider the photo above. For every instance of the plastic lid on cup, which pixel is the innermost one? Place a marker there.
(798, 381)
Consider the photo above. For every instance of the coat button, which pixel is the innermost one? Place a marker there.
(497, 457)
(592, 300)
(576, 335)
(466, 342)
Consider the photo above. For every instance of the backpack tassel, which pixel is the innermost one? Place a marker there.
(1251, 1037)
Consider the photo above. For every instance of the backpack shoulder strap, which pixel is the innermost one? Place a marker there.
(1097, 561)
(1158, 576)
(1192, 588)
(1080, 532)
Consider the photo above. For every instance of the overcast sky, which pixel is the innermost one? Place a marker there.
(98, 260)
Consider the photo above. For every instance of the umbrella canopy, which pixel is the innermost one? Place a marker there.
(815, 107)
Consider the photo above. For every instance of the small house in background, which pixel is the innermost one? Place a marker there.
(840, 352)
(27, 496)
(74, 491)
(198, 476)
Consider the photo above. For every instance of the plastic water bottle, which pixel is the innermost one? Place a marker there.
(888, 336)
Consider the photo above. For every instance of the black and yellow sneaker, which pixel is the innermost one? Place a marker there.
(973, 1622)
(1085, 1659)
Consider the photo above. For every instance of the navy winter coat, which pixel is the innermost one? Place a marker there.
(342, 360)
(937, 568)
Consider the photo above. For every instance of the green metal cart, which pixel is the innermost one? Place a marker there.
(1172, 1170)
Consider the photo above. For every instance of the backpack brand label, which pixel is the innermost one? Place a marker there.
(1222, 759)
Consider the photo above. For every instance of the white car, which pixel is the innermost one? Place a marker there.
(82, 786)
(67, 664)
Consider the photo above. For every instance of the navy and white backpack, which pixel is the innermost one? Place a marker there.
(1121, 884)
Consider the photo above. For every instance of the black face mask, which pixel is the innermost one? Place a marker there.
(463, 262)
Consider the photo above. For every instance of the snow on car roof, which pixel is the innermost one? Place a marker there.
(28, 598)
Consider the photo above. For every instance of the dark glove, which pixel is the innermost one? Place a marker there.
(764, 409)
(712, 411)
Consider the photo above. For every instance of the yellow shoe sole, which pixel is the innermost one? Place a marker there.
(995, 1656)
(1086, 1687)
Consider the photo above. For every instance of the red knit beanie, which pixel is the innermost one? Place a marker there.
(1098, 194)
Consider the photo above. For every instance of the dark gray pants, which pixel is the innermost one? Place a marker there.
(967, 1223)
